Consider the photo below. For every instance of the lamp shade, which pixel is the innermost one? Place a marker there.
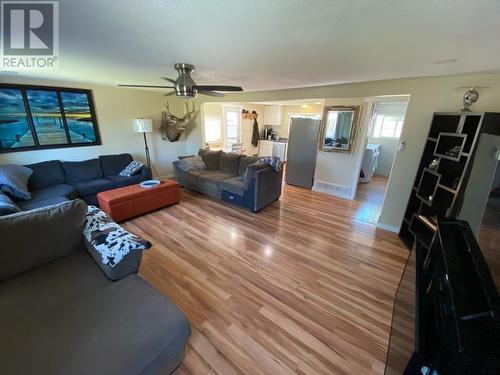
(143, 125)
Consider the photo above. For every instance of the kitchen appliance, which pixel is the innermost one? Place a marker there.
(302, 150)
(268, 133)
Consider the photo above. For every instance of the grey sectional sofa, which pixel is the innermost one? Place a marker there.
(232, 178)
(55, 181)
(61, 314)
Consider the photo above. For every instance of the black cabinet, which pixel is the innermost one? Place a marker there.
(445, 167)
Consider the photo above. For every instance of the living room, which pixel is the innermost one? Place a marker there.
(215, 217)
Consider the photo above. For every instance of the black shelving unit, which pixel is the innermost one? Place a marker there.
(444, 169)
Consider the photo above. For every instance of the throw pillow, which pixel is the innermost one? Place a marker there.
(188, 164)
(110, 239)
(211, 159)
(229, 163)
(133, 168)
(14, 180)
(7, 206)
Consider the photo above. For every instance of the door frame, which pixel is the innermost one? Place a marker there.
(372, 101)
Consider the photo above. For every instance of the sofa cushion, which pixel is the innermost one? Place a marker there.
(31, 205)
(86, 324)
(192, 163)
(92, 187)
(77, 171)
(7, 205)
(132, 169)
(61, 190)
(234, 185)
(229, 163)
(14, 181)
(211, 159)
(45, 174)
(245, 162)
(33, 238)
(114, 164)
(121, 181)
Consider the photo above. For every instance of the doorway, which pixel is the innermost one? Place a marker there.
(383, 136)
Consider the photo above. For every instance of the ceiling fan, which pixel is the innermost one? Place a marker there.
(186, 88)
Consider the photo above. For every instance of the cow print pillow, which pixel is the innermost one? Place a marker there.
(109, 239)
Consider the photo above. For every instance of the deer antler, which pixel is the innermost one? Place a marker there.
(188, 113)
(175, 118)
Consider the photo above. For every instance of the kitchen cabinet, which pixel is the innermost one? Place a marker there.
(272, 115)
(266, 148)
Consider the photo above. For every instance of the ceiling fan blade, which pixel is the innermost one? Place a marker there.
(217, 88)
(149, 86)
(210, 93)
(169, 80)
(169, 93)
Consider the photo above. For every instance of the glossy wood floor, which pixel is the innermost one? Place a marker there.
(301, 287)
(371, 195)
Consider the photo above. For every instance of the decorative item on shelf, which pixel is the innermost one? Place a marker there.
(172, 126)
(471, 96)
(433, 166)
(144, 125)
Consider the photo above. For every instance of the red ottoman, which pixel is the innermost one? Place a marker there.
(131, 201)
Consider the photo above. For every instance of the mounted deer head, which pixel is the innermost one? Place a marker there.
(173, 126)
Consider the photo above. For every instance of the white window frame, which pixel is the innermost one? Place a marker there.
(377, 133)
(220, 141)
(225, 110)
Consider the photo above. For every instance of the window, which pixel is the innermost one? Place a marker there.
(213, 131)
(387, 126)
(46, 117)
(232, 120)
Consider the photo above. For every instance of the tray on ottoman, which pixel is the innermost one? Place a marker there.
(131, 201)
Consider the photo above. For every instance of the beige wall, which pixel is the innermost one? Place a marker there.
(289, 110)
(115, 108)
(427, 96)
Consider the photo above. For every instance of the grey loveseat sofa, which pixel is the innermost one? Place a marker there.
(233, 178)
(54, 181)
(61, 314)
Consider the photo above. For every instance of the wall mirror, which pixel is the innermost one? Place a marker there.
(339, 128)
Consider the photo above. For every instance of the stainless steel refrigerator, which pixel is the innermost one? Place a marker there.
(302, 151)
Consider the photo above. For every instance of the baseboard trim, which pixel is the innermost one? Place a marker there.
(390, 228)
(340, 191)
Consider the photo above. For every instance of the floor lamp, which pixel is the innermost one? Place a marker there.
(144, 125)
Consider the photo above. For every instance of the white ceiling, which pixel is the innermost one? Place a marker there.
(271, 44)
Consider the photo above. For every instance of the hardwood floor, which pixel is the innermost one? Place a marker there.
(372, 195)
(301, 287)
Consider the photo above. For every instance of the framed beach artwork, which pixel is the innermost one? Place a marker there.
(40, 117)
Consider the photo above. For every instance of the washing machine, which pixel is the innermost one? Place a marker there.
(370, 162)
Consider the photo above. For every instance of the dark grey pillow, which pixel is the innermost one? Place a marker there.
(229, 163)
(45, 174)
(112, 165)
(245, 162)
(33, 238)
(78, 171)
(7, 206)
(211, 158)
(14, 180)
